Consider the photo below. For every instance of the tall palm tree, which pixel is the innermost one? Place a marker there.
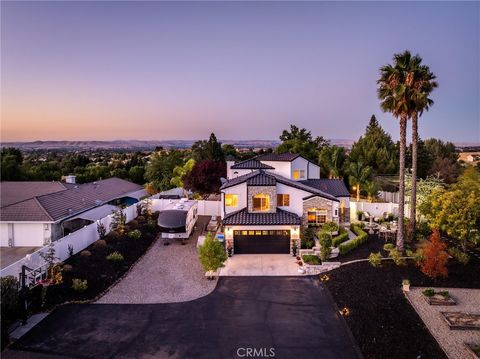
(422, 80)
(359, 174)
(395, 95)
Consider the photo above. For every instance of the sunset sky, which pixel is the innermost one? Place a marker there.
(159, 70)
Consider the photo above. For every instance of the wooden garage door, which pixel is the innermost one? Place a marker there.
(261, 241)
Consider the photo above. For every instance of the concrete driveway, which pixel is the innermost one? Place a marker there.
(260, 265)
(293, 317)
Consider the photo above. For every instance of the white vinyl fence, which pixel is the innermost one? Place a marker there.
(374, 209)
(84, 237)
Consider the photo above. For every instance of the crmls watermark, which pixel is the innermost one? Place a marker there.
(256, 352)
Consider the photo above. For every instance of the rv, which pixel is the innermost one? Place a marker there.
(178, 218)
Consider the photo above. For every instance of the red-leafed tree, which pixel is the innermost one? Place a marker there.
(204, 177)
(435, 257)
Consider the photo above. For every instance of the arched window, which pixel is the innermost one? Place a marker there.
(261, 202)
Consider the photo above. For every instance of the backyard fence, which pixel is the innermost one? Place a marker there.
(373, 208)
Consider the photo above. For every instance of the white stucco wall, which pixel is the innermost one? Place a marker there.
(313, 171)
(241, 191)
(296, 198)
(301, 164)
(26, 234)
(281, 168)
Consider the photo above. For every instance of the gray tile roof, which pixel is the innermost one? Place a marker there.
(335, 187)
(287, 156)
(58, 205)
(262, 179)
(240, 179)
(251, 164)
(13, 192)
(244, 218)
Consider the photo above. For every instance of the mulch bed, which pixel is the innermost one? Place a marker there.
(381, 319)
(96, 269)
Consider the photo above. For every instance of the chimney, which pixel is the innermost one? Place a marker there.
(71, 179)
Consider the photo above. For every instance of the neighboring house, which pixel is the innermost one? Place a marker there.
(268, 199)
(34, 213)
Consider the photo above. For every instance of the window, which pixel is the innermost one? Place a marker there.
(297, 174)
(231, 200)
(261, 202)
(283, 200)
(316, 216)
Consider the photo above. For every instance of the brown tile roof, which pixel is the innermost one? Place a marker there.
(66, 203)
(13, 192)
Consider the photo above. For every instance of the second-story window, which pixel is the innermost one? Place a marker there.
(283, 200)
(298, 174)
(261, 202)
(231, 200)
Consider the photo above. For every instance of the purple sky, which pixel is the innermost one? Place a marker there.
(158, 70)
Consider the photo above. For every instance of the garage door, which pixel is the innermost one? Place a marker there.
(261, 241)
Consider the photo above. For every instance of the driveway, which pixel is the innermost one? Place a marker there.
(293, 317)
(9, 255)
(260, 265)
(165, 274)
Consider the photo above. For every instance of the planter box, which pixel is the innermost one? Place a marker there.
(438, 299)
(462, 321)
(473, 355)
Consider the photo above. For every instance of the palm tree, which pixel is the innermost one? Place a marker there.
(395, 95)
(423, 83)
(332, 160)
(359, 174)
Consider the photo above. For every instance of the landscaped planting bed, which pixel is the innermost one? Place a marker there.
(361, 238)
(381, 319)
(91, 265)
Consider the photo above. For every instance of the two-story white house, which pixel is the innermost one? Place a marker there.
(268, 199)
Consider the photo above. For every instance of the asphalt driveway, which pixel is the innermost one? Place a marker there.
(290, 317)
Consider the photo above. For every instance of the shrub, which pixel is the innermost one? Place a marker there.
(118, 221)
(70, 250)
(409, 252)
(152, 224)
(342, 237)
(101, 243)
(460, 256)
(211, 254)
(113, 235)
(330, 227)
(79, 285)
(140, 219)
(375, 259)
(388, 247)
(308, 238)
(397, 257)
(418, 256)
(445, 294)
(133, 224)
(361, 238)
(435, 258)
(85, 253)
(101, 230)
(115, 257)
(67, 268)
(311, 259)
(325, 239)
(10, 305)
(429, 292)
(135, 234)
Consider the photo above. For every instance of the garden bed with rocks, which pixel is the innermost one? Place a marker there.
(90, 272)
(438, 298)
(462, 320)
(380, 317)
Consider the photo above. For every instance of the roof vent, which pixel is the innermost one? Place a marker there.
(70, 211)
(98, 202)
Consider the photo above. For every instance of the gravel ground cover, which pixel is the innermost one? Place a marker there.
(452, 341)
(381, 319)
(166, 274)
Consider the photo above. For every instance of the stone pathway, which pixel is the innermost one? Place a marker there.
(166, 274)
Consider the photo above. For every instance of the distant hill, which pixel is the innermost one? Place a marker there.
(141, 144)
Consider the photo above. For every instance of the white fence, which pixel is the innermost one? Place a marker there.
(87, 235)
(389, 196)
(375, 209)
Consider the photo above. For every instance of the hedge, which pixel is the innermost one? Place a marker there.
(342, 237)
(361, 238)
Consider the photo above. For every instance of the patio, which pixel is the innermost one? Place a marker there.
(260, 265)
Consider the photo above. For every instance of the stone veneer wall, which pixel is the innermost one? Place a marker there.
(270, 190)
(319, 203)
